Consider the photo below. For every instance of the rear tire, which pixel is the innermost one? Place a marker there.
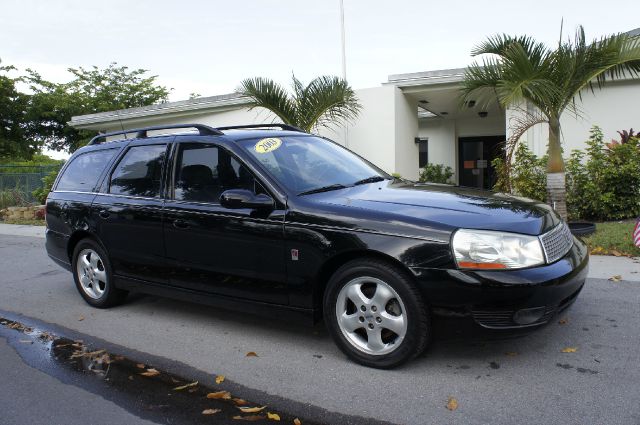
(93, 277)
(375, 314)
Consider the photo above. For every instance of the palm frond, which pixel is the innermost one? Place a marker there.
(580, 65)
(327, 99)
(500, 43)
(268, 94)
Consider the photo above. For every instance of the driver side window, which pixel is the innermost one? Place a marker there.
(203, 172)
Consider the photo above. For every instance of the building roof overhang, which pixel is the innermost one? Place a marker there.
(191, 106)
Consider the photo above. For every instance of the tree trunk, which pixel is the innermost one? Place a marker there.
(556, 189)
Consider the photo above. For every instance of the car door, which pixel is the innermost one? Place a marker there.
(231, 252)
(128, 212)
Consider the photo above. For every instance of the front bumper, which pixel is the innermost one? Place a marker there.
(500, 299)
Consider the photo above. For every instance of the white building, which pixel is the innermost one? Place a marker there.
(407, 121)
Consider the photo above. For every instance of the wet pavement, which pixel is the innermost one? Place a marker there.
(142, 389)
(299, 371)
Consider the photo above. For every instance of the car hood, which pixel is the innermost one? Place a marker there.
(447, 206)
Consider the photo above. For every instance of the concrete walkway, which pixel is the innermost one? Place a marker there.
(21, 230)
(600, 267)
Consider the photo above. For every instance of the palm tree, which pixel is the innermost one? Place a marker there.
(325, 100)
(520, 69)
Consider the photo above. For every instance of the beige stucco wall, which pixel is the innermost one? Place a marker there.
(372, 134)
(230, 116)
(406, 130)
(442, 140)
(612, 108)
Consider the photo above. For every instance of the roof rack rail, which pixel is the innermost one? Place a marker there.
(250, 126)
(141, 133)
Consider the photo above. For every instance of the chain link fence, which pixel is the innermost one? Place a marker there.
(24, 179)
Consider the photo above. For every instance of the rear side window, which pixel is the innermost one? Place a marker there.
(82, 173)
(139, 172)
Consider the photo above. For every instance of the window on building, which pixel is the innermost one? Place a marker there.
(139, 172)
(82, 173)
(423, 151)
(205, 171)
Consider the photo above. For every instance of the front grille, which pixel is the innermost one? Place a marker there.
(503, 319)
(557, 242)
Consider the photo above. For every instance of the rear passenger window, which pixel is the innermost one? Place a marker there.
(139, 172)
(82, 174)
(205, 171)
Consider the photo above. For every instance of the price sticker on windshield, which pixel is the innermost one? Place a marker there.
(268, 145)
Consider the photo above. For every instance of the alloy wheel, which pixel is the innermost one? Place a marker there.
(91, 273)
(371, 315)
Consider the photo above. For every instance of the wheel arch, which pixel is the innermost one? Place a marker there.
(334, 263)
(76, 237)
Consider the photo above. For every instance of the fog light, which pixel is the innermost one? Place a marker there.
(527, 316)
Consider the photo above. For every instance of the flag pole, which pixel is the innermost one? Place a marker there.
(344, 64)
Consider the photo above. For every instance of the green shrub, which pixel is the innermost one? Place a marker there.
(603, 183)
(12, 198)
(47, 183)
(528, 174)
(436, 173)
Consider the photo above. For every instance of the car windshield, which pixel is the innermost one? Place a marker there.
(309, 164)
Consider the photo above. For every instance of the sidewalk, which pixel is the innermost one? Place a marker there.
(21, 230)
(600, 266)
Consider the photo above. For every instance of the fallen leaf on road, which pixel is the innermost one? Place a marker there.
(81, 318)
(511, 353)
(140, 365)
(251, 354)
(184, 387)
(273, 416)
(249, 418)
(220, 394)
(239, 401)
(211, 411)
(569, 350)
(598, 250)
(616, 253)
(251, 409)
(452, 404)
(219, 379)
(616, 278)
(296, 421)
(563, 321)
(130, 377)
(78, 353)
(150, 373)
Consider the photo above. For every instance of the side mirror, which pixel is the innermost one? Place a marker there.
(242, 198)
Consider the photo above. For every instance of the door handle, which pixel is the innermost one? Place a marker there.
(104, 213)
(180, 224)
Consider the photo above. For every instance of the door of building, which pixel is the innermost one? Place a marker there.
(475, 155)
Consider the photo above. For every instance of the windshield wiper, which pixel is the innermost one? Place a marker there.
(323, 189)
(371, 179)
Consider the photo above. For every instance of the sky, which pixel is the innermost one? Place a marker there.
(208, 47)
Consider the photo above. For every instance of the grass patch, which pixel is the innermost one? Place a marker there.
(25, 221)
(613, 238)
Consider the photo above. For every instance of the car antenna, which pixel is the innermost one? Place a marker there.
(121, 125)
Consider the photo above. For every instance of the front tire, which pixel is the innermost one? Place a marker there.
(375, 314)
(93, 277)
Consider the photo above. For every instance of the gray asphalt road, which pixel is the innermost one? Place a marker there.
(599, 383)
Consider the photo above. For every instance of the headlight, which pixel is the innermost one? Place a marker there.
(483, 249)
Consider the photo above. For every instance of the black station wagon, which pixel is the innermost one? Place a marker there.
(272, 219)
